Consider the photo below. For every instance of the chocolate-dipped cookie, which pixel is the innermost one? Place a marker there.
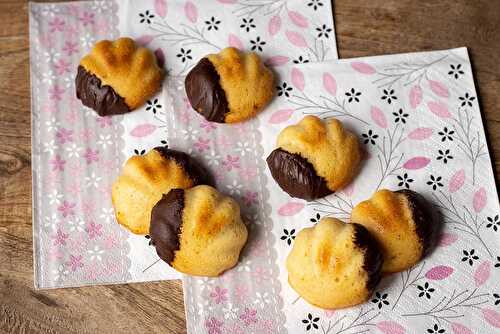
(143, 181)
(314, 158)
(198, 231)
(117, 77)
(229, 87)
(403, 224)
(334, 265)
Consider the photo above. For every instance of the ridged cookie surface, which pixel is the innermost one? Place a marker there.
(117, 76)
(314, 158)
(402, 223)
(198, 231)
(333, 264)
(143, 181)
(229, 87)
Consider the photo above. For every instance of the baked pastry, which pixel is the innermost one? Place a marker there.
(402, 223)
(230, 86)
(117, 77)
(314, 158)
(334, 265)
(143, 181)
(198, 231)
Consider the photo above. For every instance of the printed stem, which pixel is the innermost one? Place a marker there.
(448, 308)
(319, 52)
(329, 107)
(268, 7)
(387, 166)
(467, 142)
(188, 36)
(405, 71)
(405, 281)
(341, 209)
(451, 212)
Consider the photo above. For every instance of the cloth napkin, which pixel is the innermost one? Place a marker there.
(77, 155)
(418, 118)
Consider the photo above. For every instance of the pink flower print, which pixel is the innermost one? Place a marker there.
(207, 126)
(250, 197)
(260, 274)
(108, 165)
(249, 316)
(59, 238)
(231, 162)
(87, 18)
(62, 66)
(64, 136)
(55, 253)
(91, 156)
(88, 208)
(71, 33)
(202, 144)
(185, 117)
(86, 134)
(266, 326)
(49, 108)
(57, 163)
(102, 25)
(75, 262)
(55, 93)
(104, 121)
(67, 208)
(70, 48)
(94, 230)
(224, 142)
(219, 295)
(74, 188)
(241, 292)
(71, 116)
(219, 175)
(234, 329)
(213, 325)
(56, 24)
(92, 273)
(110, 241)
(76, 169)
(248, 173)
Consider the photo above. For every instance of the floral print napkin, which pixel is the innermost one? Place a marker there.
(417, 116)
(77, 155)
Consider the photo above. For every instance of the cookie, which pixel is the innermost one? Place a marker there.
(334, 265)
(143, 181)
(117, 77)
(314, 158)
(402, 223)
(198, 231)
(229, 87)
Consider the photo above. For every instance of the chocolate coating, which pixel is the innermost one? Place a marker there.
(205, 93)
(193, 169)
(373, 256)
(103, 99)
(166, 222)
(296, 176)
(425, 224)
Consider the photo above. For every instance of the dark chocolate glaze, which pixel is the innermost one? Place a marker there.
(103, 99)
(205, 93)
(166, 222)
(373, 255)
(425, 224)
(296, 176)
(193, 169)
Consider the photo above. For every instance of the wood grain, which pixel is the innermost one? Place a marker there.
(363, 28)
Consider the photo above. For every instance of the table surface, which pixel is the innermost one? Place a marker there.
(363, 28)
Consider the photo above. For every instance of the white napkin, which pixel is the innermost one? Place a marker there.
(76, 155)
(419, 120)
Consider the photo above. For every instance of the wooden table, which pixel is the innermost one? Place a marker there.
(364, 27)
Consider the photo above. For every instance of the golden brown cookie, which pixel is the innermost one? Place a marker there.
(117, 77)
(229, 87)
(198, 231)
(143, 181)
(402, 223)
(333, 264)
(314, 158)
